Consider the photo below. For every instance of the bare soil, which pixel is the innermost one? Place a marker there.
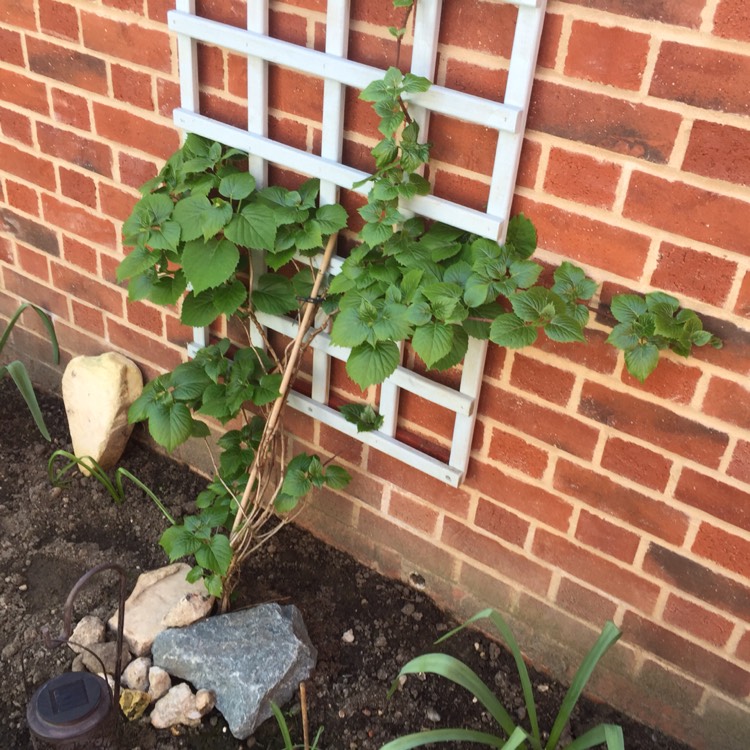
(50, 536)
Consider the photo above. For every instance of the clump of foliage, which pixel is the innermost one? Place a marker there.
(511, 735)
(17, 371)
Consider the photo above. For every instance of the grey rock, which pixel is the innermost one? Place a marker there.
(247, 659)
(107, 652)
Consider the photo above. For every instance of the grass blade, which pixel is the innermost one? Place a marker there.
(283, 728)
(523, 673)
(448, 735)
(608, 637)
(47, 324)
(609, 734)
(20, 377)
(456, 671)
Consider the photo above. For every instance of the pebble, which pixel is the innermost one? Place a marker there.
(432, 714)
(348, 636)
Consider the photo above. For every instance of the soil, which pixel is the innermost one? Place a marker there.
(50, 536)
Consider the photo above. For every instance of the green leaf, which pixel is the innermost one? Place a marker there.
(170, 424)
(375, 233)
(209, 264)
(432, 736)
(254, 227)
(20, 377)
(308, 236)
(623, 336)
(285, 503)
(459, 347)
(336, 477)
(369, 364)
(642, 360)
(522, 235)
(607, 734)
(274, 295)
(199, 310)
(268, 389)
(413, 84)
(476, 292)
(216, 555)
(229, 297)
(164, 237)
(510, 331)
(572, 284)
(331, 218)
(199, 217)
(137, 262)
(375, 91)
(524, 273)
(363, 416)
(177, 541)
(237, 186)
(433, 341)
(564, 328)
(628, 307)
(536, 304)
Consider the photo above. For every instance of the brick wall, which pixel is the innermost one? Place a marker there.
(589, 495)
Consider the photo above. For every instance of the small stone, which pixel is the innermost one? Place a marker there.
(107, 652)
(134, 703)
(90, 630)
(205, 701)
(543, 688)
(174, 708)
(191, 608)
(135, 675)
(408, 609)
(348, 637)
(159, 683)
(432, 715)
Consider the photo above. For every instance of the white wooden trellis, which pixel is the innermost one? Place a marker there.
(332, 66)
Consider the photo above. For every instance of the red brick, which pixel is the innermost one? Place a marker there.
(26, 166)
(528, 165)
(590, 55)
(19, 89)
(743, 299)
(15, 126)
(289, 131)
(104, 297)
(344, 448)
(79, 254)
(584, 603)
(70, 109)
(414, 514)
(678, 12)
(686, 655)
(621, 583)
(579, 238)
(381, 14)
(743, 647)
(237, 75)
(697, 620)
(653, 423)
(735, 354)
(606, 122)
(496, 556)
(40, 294)
(475, 79)
(729, 401)
(474, 25)
(462, 144)
(724, 501)
(672, 381)
(18, 13)
(543, 380)
(234, 14)
(28, 231)
(550, 42)
(595, 354)
(694, 273)
(515, 452)
(702, 77)
(719, 151)
(128, 41)
(728, 550)
(134, 171)
(613, 540)
(638, 464)
(428, 555)
(376, 51)
(6, 251)
(501, 523)
(740, 465)
(581, 178)
(290, 27)
(34, 263)
(295, 93)
(732, 20)
(11, 47)
(522, 497)
(78, 187)
(168, 96)
(59, 19)
(88, 318)
(69, 66)
(434, 491)
(146, 317)
(158, 9)
(130, 130)
(560, 429)
(79, 222)
(126, 338)
(133, 6)
(420, 415)
(451, 186)
(132, 87)
(636, 509)
(22, 197)
(115, 202)
(76, 149)
(223, 110)
(211, 66)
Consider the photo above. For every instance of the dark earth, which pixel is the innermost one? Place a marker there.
(50, 536)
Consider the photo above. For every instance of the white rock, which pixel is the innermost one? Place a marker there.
(155, 594)
(159, 683)
(135, 675)
(97, 392)
(205, 700)
(176, 707)
(90, 630)
(107, 653)
(191, 608)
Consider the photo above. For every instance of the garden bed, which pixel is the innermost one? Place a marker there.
(50, 536)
